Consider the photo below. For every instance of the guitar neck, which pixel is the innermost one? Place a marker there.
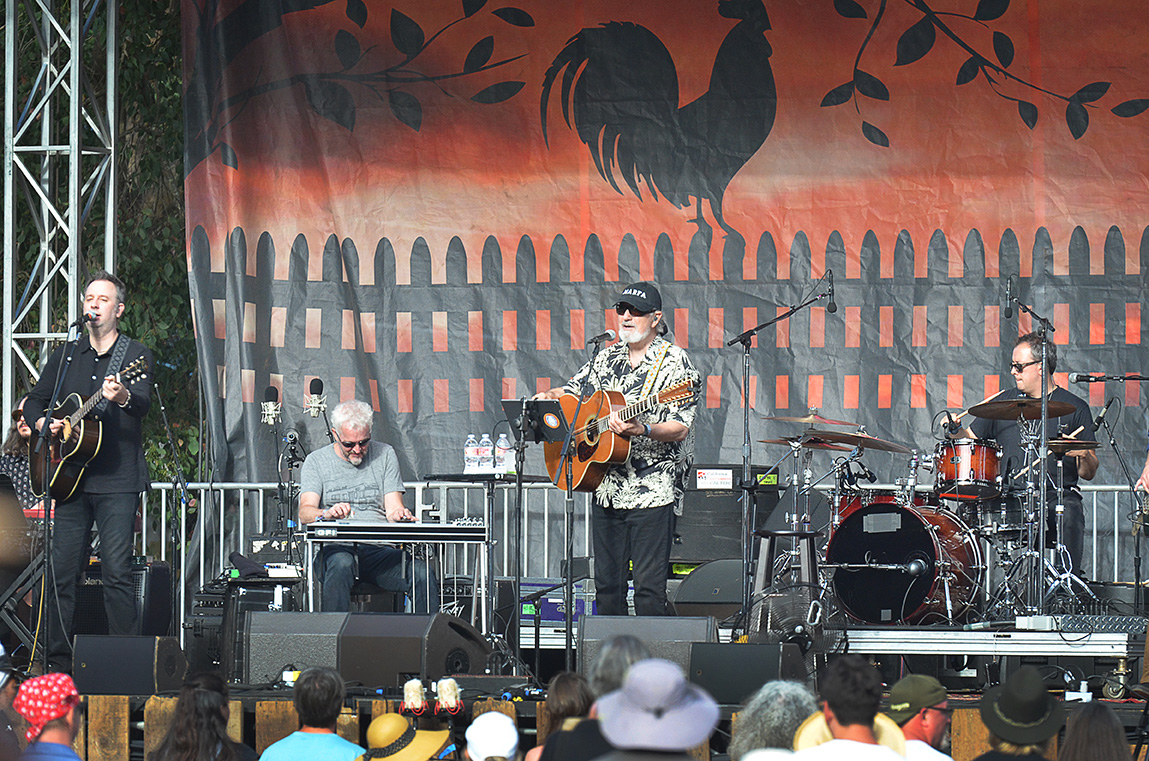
(87, 407)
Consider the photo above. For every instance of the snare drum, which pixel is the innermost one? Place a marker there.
(967, 469)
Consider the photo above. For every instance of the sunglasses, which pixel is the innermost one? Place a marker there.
(362, 444)
(17, 416)
(622, 309)
(1018, 367)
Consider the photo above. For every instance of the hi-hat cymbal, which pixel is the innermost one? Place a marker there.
(812, 419)
(805, 443)
(860, 440)
(1061, 446)
(1012, 409)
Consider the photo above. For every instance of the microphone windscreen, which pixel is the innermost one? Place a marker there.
(271, 394)
(316, 387)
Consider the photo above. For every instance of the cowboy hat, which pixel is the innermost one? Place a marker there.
(1022, 711)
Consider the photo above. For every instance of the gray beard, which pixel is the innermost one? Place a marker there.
(628, 337)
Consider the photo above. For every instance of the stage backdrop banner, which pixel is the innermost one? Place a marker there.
(431, 205)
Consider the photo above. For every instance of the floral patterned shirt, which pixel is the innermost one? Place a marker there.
(655, 472)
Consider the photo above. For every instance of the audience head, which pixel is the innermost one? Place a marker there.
(920, 706)
(771, 717)
(199, 724)
(568, 694)
(615, 656)
(1021, 715)
(1094, 733)
(394, 737)
(492, 735)
(48, 703)
(318, 697)
(851, 689)
(657, 709)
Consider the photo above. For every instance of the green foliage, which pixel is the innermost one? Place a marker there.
(150, 242)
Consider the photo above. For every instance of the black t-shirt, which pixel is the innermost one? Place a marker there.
(1008, 436)
(583, 742)
(119, 466)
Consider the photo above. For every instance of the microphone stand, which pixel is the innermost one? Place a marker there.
(43, 449)
(177, 518)
(1138, 589)
(746, 483)
(1037, 579)
(566, 466)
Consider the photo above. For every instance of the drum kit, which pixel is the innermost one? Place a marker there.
(917, 554)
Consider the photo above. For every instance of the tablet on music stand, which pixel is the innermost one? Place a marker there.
(544, 419)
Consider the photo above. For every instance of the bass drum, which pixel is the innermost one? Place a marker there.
(940, 564)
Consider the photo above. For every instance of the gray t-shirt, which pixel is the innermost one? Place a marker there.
(335, 480)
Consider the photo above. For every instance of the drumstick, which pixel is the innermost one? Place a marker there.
(1025, 470)
(983, 401)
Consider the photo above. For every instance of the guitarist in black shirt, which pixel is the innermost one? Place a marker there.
(108, 491)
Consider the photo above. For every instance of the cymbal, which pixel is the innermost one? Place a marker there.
(857, 440)
(811, 419)
(807, 444)
(1061, 446)
(1012, 409)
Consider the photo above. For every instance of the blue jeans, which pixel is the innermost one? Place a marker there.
(115, 517)
(639, 537)
(388, 568)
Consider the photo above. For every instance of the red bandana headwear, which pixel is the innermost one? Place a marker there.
(43, 699)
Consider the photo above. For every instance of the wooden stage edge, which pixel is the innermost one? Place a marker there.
(117, 725)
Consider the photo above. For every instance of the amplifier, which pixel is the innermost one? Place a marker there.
(550, 605)
(710, 527)
(153, 594)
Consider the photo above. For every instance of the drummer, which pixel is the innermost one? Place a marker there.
(1082, 463)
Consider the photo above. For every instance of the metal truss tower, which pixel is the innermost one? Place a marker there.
(60, 95)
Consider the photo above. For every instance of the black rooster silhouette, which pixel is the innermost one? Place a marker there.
(620, 93)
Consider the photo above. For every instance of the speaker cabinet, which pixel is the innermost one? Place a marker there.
(731, 672)
(711, 589)
(127, 665)
(276, 640)
(386, 649)
(153, 594)
(668, 637)
(710, 527)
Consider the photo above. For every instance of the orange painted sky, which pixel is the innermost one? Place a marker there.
(960, 157)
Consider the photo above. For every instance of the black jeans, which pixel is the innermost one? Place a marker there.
(115, 517)
(621, 537)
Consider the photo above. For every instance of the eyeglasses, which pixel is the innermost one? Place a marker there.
(362, 444)
(1019, 367)
(622, 309)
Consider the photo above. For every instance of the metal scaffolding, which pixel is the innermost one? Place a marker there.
(60, 94)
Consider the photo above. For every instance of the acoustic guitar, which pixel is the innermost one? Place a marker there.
(596, 447)
(78, 441)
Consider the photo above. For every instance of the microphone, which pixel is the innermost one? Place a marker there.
(1009, 297)
(1101, 415)
(292, 436)
(1086, 378)
(952, 424)
(865, 472)
(316, 402)
(79, 321)
(916, 567)
(832, 306)
(609, 335)
(269, 409)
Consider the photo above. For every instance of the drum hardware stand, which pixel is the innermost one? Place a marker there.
(1036, 587)
(1061, 572)
(746, 484)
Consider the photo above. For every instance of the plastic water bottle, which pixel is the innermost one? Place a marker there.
(486, 454)
(471, 454)
(504, 455)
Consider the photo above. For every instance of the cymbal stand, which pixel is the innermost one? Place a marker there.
(1014, 594)
(747, 485)
(1061, 571)
(1036, 588)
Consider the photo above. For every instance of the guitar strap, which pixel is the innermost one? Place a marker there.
(115, 363)
(653, 374)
